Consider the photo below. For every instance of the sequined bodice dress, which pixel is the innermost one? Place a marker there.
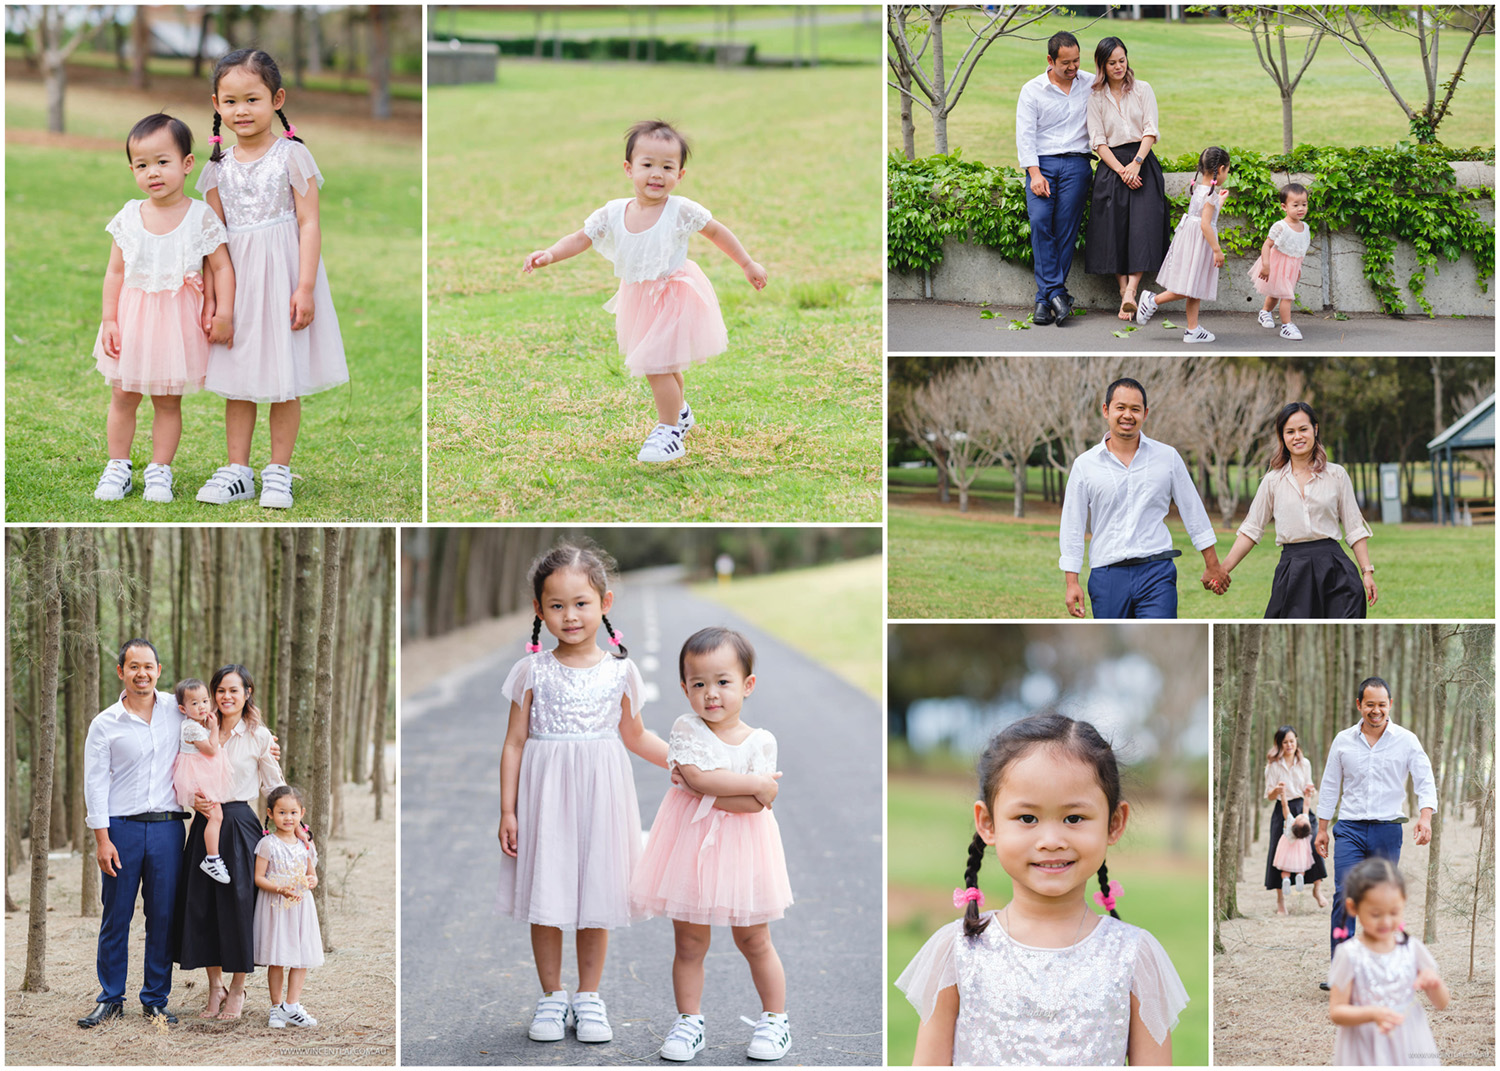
(1386, 979)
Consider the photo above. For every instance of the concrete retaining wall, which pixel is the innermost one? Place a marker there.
(451, 63)
(1332, 273)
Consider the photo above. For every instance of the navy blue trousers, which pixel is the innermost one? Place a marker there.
(1055, 220)
(1145, 590)
(150, 862)
(1356, 842)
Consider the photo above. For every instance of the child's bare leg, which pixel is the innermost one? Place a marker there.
(166, 427)
(1286, 310)
(687, 965)
(286, 419)
(682, 389)
(239, 429)
(592, 945)
(1192, 310)
(666, 390)
(295, 976)
(1167, 295)
(119, 425)
(546, 949)
(211, 830)
(273, 979)
(754, 943)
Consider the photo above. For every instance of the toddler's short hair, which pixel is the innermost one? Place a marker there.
(655, 128)
(706, 640)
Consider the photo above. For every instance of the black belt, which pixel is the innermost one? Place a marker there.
(1164, 556)
(153, 816)
(1055, 155)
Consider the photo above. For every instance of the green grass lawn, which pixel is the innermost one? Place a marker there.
(1211, 90)
(944, 564)
(930, 825)
(848, 642)
(359, 451)
(532, 415)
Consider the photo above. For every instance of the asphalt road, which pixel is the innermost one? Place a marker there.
(468, 985)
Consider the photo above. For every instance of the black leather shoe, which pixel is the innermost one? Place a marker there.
(1043, 314)
(1323, 986)
(1062, 306)
(152, 1011)
(100, 1013)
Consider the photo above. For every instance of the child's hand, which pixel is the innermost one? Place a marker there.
(540, 259)
(221, 330)
(302, 308)
(756, 275)
(1265, 271)
(1386, 1019)
(1218, 258)
(312, 881)
(1428, 981)
(767, 793)
(508, 831)
(289, 890)
(209, 308)
(112, 339)
(303, 835)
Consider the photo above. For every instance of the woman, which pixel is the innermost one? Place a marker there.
(1127, 233)
(1308, 498)
(213, 926)
(1289, 774)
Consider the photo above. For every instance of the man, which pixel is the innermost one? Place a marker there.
(1368, 764)
(1121, 491)
(1052, 146)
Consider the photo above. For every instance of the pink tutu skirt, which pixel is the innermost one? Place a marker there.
(199, 774)
(163, 349)
(1284, 272)
(668, 325)
(710, 867)
(1293, 855)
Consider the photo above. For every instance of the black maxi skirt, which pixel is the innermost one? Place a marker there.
(1316, 579)
(1317, 872)
(1127, 230)
(214, 924)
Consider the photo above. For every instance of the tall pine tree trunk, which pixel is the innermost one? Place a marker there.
(383, 677)
(88, 566)
(12, 760)
(1435, 747)
(323, 725)
(298, 749)
(44, 749)
(1229, 860)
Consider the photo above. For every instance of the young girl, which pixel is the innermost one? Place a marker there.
(155, 328)
(714, 857)
(1045, 980)
(570, 826)
(1375, 979)
(266, 189)
(666, 313)
(1279, 266)
(202, 768)
(287, 937)
(1191, 270)
(1294, 849)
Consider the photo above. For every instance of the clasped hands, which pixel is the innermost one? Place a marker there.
(1216, 579)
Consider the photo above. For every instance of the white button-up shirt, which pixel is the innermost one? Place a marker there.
(1372, 780)
(1049, 121)
(127, 764)
(1126, 507)
(1302, 514)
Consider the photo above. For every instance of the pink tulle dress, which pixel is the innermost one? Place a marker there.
(270, 362)
(198, 774)
(1293, 855)
(1283, 262)
(163, 349)
(286, 932)
(579, 825)
(707, 866)
(1189, 266)
(666, 312)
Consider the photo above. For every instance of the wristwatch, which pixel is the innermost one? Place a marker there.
(1140, 159)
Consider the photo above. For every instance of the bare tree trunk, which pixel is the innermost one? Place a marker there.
(44, 749)
(380, 63)
(1229, 860)
(285, 630)
(140, 43)
(336, 712)
(12, 760)
(322, 750)
(383, 677)
(298, 752)
(1434, 857)
(88, 567)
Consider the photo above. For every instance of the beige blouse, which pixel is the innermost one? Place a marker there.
(1315, 511)
(252, 770)
(1297, 775)
(1121, 122)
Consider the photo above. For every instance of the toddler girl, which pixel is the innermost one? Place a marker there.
(1191, 270)
(570, 826)
(1044, 980)
(714, 857)
(1294, 849)
(156, 327)
(1374, 979)
(202, 769)
(287, 938)
(666, 313)
(266, 189)
(1279, 266)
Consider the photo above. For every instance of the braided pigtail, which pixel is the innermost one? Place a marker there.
(1104, 889)
(973, 924)
(217, 141)
(291, 131)
(535, 646)
(614, 637)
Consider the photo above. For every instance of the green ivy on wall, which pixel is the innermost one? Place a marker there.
(1384, 195)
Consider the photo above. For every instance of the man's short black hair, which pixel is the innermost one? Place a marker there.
(138, 642)
(1371, 682)
(1125, 381)
(1060, 40)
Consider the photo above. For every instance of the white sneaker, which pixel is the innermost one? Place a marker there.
(232, 483)
(1290, 331)
(114, 481)
(215, 869)
(158, 483)
(1198, 334)
(551, 1018)
(773, 1036)
(276, 487)
(684, 1040)
(590, 1022)
(295, 1016)
(663, 444)
(685, 420)
(1145, 307)
(277, 1019)
(1266, 319)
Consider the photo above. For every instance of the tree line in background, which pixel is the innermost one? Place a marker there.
(970, 413)
(309, 611)
(451, 577)
(1442, 678)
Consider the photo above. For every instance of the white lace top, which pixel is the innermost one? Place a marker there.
(192, 731)
(569, 703)
(157, 262)
(259, 193)
(655, 252)
(692, 743)
(1292, 243)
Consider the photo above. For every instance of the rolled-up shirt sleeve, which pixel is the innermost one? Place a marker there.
(1190, 507)
(96, 776)
(1097, 137)
(1026, 119)
(1351, 520)
(1421, 778)
(1075, 516)
(1259, 515)
(1148, 110)
(268, 769)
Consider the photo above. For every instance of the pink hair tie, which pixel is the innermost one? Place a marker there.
(291, 131)
(1340, 933)
(963, 896)
(216, 140)
(1108, 902)
(615, 638)
(534, 648)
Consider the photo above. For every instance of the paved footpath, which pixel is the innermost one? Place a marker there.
(468, 984)
(937, 327)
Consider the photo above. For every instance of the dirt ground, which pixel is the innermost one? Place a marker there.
(1269, 972)
(353, 995)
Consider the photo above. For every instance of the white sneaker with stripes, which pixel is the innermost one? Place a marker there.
(158, 483)
(663, 444)
(685, 419)
(772, 1037)
(232, 483)
(684, 1040)
(114, 481)
(276, 487)
(550, 1022)
(590, 1022)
